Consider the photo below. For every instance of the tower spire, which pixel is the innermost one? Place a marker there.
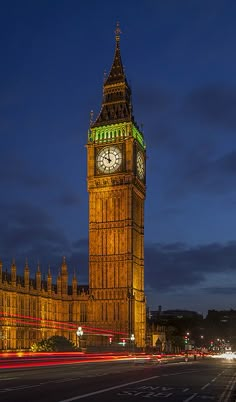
(116, 103)
(118, 31)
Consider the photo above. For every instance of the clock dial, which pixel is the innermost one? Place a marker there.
(140, 165)
(109, 159)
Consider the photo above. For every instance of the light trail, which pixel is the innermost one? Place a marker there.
(53, 324)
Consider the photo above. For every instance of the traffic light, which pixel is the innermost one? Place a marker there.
(186, 339)
(110, 340)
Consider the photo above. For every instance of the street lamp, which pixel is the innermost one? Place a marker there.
(132, 338)
(79, 333)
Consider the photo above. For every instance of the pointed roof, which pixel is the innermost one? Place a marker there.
(64, 266)
(74, 275)
(117, 73)
(26, 264)
(49, 272)
(116, 103)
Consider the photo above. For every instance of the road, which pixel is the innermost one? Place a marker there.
(122, 380)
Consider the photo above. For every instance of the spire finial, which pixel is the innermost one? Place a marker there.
(104, 76)
(117, 31)
(38, 267)
(91, 118)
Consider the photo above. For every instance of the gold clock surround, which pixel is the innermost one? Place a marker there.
(140, 165)
(109, 159)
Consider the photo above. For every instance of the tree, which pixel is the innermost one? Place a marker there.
(54, 344)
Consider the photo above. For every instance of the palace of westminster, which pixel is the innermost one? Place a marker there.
(113, 305)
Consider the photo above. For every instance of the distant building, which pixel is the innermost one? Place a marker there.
(221, 329)
(174, 314)
(222, 316)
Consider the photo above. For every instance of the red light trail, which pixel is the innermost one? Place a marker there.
(53, 324)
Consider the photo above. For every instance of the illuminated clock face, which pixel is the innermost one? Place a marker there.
(109, 159)
(140, 165)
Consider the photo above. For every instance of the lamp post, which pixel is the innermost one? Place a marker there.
(79, 333)
(132, 338)
(130, 311)
(202, 340)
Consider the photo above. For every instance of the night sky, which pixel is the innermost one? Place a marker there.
(180, 61)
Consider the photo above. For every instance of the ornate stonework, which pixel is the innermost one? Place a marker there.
(116, 212)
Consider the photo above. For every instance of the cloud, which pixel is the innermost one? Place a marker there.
(170, 213)
(172, 267)
(14, 170)
(214, 105)
(201, 172)
(157, 105)
(24, 214)
(229, 290)
(81, 244)
(70, 199)
(227, 163)
(152, 99)
(30, 232)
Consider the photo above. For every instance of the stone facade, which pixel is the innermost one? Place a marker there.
(33, 309)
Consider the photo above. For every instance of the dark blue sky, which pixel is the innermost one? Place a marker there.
(180, 60)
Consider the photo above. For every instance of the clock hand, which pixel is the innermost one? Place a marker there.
(108, 159)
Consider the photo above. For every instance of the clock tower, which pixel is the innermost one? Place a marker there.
(116, 156)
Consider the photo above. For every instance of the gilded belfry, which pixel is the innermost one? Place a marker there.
(116, 156)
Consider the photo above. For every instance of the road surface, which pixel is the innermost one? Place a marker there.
(122, 380)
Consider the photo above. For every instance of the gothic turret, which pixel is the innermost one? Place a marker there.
(26, 274)
(38, 278)
(74, 285)
(13, 273)
(59, 283)
(64, 277)
(49, 281)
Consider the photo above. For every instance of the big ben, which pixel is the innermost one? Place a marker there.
(116, 176)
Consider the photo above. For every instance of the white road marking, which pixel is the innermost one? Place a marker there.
(109, 389)
(19, 388)
(225, 396)
(64, 380)
(191, 397)
(205, 386)
(127, 384)
(214, 379)
(185, 389)
(181, 372)
(8, 378)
